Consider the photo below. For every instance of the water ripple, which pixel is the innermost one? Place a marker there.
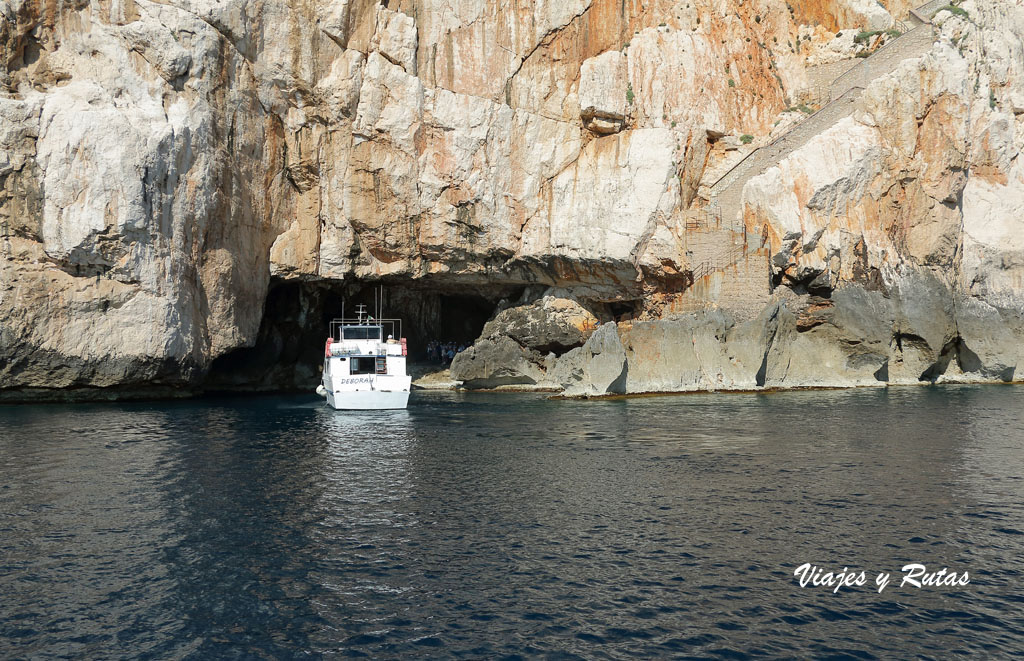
(508, 526)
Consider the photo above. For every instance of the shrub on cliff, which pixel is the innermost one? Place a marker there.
(864, 36)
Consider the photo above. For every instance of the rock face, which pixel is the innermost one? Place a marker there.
(163, 165)
(598, 367)
(602, 101)
(501, 361)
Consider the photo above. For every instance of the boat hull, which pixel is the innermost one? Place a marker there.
(368, 400)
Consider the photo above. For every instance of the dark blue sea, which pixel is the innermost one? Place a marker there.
(485, 526)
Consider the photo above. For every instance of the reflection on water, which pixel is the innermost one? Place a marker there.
(486, 525)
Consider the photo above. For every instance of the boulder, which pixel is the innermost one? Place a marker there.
(552, 323)
(597, 368)
(501, 361)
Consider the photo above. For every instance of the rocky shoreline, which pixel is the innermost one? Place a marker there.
(115, 394)
(850, 339)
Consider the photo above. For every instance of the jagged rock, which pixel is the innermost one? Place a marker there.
(492, 363)
(705, 350)
(842, 347)
(867, 13)
(158, 45)
(520, 344)
(604, 203)
(395, 38)
(551, 323)
(599, 367)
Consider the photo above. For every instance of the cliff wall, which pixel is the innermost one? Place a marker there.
(163, 165)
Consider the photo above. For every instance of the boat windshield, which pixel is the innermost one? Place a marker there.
(360, 332)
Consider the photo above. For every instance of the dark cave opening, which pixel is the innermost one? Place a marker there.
(460, 320)
(625, 310)
(289, 347)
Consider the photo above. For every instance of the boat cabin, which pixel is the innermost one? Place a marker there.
(367, 347)
(365, 364)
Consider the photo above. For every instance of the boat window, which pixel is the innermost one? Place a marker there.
(360, 333)
(363, 365)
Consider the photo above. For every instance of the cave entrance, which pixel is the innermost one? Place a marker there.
(460, 319)
(426, 314)
(625, 310)
(288, 353)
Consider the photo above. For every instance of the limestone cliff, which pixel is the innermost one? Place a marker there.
(758, 193)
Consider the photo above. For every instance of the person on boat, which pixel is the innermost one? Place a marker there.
(392, 340)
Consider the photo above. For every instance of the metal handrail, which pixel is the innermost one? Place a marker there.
(708, 266)
(866, 63)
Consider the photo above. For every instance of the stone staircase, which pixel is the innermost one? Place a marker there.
(726, 194)
(719, 262)
(923, 14)
(913, 43)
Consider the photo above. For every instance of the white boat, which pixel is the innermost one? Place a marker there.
(364, 364)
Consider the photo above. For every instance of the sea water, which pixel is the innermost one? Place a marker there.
(506, 525)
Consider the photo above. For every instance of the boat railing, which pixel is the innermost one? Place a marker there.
(377, 348)
(387, 326)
